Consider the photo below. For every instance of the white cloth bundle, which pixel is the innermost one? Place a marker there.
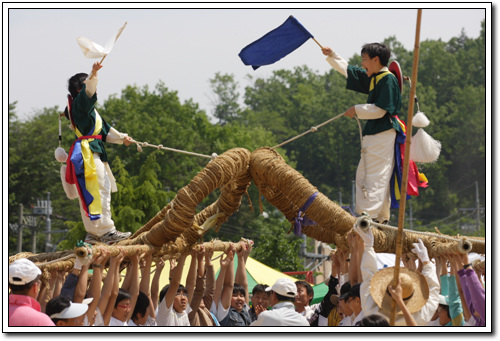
(424, 148)
(420, 120)
(70, 189)
(94, 50)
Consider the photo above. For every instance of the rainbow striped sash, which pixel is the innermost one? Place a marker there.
(81, 170)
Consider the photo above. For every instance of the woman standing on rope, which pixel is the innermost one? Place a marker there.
(87, 163)
(384, 103)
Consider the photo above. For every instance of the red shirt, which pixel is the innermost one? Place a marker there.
(25, 311)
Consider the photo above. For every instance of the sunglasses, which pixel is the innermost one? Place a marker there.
(124, 306)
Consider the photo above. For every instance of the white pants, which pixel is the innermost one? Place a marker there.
(374, 174)
(107, 183)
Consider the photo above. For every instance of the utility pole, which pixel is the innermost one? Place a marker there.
(411, 219)
(478, 212)
(48, 239)
(353, 196)
(20, 230)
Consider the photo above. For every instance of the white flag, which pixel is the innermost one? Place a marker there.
(94, 50)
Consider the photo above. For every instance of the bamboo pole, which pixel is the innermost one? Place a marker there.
(406, 164)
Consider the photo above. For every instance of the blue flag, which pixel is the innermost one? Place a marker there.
(276, 44)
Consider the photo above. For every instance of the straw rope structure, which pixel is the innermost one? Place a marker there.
(177, 228)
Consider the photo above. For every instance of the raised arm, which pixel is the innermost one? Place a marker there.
(227, 289)
(241, 271)
(134, 282)
(224, 263)
(175, 281)
(110, 288)
(397, 295)
(191, 277)
(95, 284)
(155, 285)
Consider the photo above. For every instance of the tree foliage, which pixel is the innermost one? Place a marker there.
(451, 91)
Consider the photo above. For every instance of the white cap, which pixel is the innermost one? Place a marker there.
(74, 310)
(23, 271)
(284, 287)
(88, 300)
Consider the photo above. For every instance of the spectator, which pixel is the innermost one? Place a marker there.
(283, 313)
(203, 294)
(345, 308)
(122, 309)
(322, 310)
(140, 315)
(24, 284)
(450, 307)
(305, 295)
(172, 308)
(354, 302)
(144, 313)
(233, 308)
(373, 320)
(475, 295)
(65, 313)
(260, 301)
(421, 298)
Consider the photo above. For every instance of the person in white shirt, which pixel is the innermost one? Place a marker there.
(283, 313)
(354, 302)
(173, 309)
(346, 310)
(305, 295)
(421, 297)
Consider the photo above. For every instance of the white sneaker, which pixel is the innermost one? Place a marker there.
(114, 236)
(92, 239)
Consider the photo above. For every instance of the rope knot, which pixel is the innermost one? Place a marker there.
(160, 146)
(314, 129)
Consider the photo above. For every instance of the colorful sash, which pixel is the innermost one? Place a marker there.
(81, 170)
(415, 179)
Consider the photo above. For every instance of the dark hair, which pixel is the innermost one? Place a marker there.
(56, 305)
(447, 308)
(309, 289)
(260, 288)
(354, 292)
(122, 295)
(238, 289)
(164, 290)
(75, 83)
(374, 320)
(283, 298)
(381, 51)
(141, 306)
(23, 288)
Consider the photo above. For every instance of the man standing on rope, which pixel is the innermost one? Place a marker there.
(384, 103)
(87, 163)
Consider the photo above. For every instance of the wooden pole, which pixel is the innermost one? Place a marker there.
(406, 164)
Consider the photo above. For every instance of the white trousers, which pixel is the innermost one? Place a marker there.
(107, 183)
(374, 174)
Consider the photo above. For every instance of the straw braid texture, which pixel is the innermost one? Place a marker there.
(288, 190)
(229, 170)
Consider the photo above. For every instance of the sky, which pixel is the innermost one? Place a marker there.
(184, 48)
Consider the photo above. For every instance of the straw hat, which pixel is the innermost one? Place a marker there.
(414, 284)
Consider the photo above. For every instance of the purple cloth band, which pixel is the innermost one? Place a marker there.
(299, 221)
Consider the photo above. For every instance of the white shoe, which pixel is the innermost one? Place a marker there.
(114, 236)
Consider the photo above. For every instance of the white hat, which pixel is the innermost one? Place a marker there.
(87, 301)
(284, 287)
(74, 310)
(23, 271)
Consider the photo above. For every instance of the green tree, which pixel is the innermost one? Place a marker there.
(226, 103)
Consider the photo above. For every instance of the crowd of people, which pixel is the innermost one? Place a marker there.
(444, 291)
